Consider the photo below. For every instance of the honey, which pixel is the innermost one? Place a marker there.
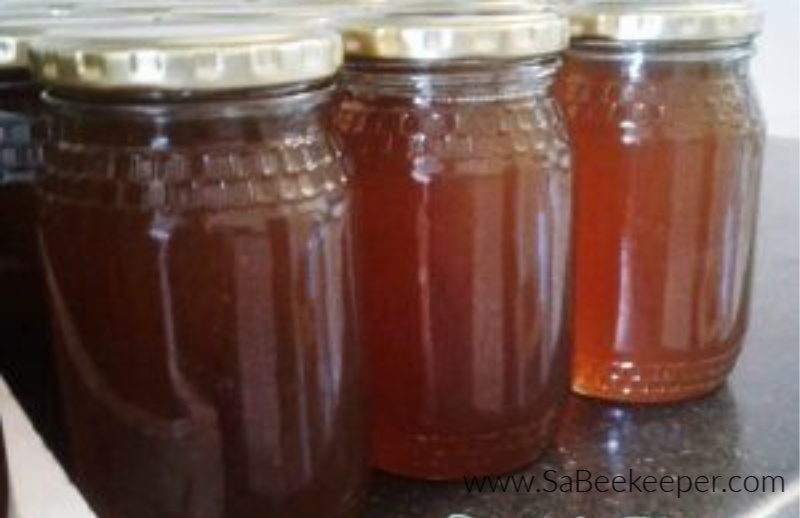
(668, 143)
(462, 204)
(23, 309)
(197, 244)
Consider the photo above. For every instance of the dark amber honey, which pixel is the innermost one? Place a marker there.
(198, 260)
(462, 196)
(23, 314)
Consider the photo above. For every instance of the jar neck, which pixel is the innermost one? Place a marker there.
(278, 101)
(636, 62)
(722, 52)
(455, 81)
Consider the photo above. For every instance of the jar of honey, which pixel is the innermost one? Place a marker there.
(26, 358)
(196, 239)
(668, 142)
(23, 310)
(462, 199)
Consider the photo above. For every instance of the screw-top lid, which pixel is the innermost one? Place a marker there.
(467, 6)
(320, 14)
(123, 8)
(15, 37)
(665, 20)
(10, 11)
(187, 56)
(18, 32)
(471, 33)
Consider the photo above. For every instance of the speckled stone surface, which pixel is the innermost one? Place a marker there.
(749, 427)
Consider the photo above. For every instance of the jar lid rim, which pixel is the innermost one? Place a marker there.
(19, 29)
(441, 35)
(670, 20)
(187, 56)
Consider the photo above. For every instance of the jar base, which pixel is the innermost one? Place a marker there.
(443, 457)
(662, 382)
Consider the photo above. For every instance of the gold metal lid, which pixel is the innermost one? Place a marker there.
(429, 34)
(17, 32)
(155, 7)
(464, 6)
(14, 39)
(324, 15)
(670, 20)
(171, 56)
(489, 7)
(330, 14)
(27, 10)
(22, 21)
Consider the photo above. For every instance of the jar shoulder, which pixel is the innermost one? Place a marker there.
(529, 128)
(677, 105)
(191, 164)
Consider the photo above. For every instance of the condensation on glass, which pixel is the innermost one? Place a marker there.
(668, 141)
(463, 190)
(196, 235)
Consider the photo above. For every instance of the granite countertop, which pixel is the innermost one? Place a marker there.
(749, 427)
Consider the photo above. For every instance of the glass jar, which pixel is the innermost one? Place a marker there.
(197, 245)
(26, 357)
(462, 199)
(23, 310)
(668, 141)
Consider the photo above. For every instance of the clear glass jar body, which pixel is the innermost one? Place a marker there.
(462, 195)
(668, 147)
(198, 258)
